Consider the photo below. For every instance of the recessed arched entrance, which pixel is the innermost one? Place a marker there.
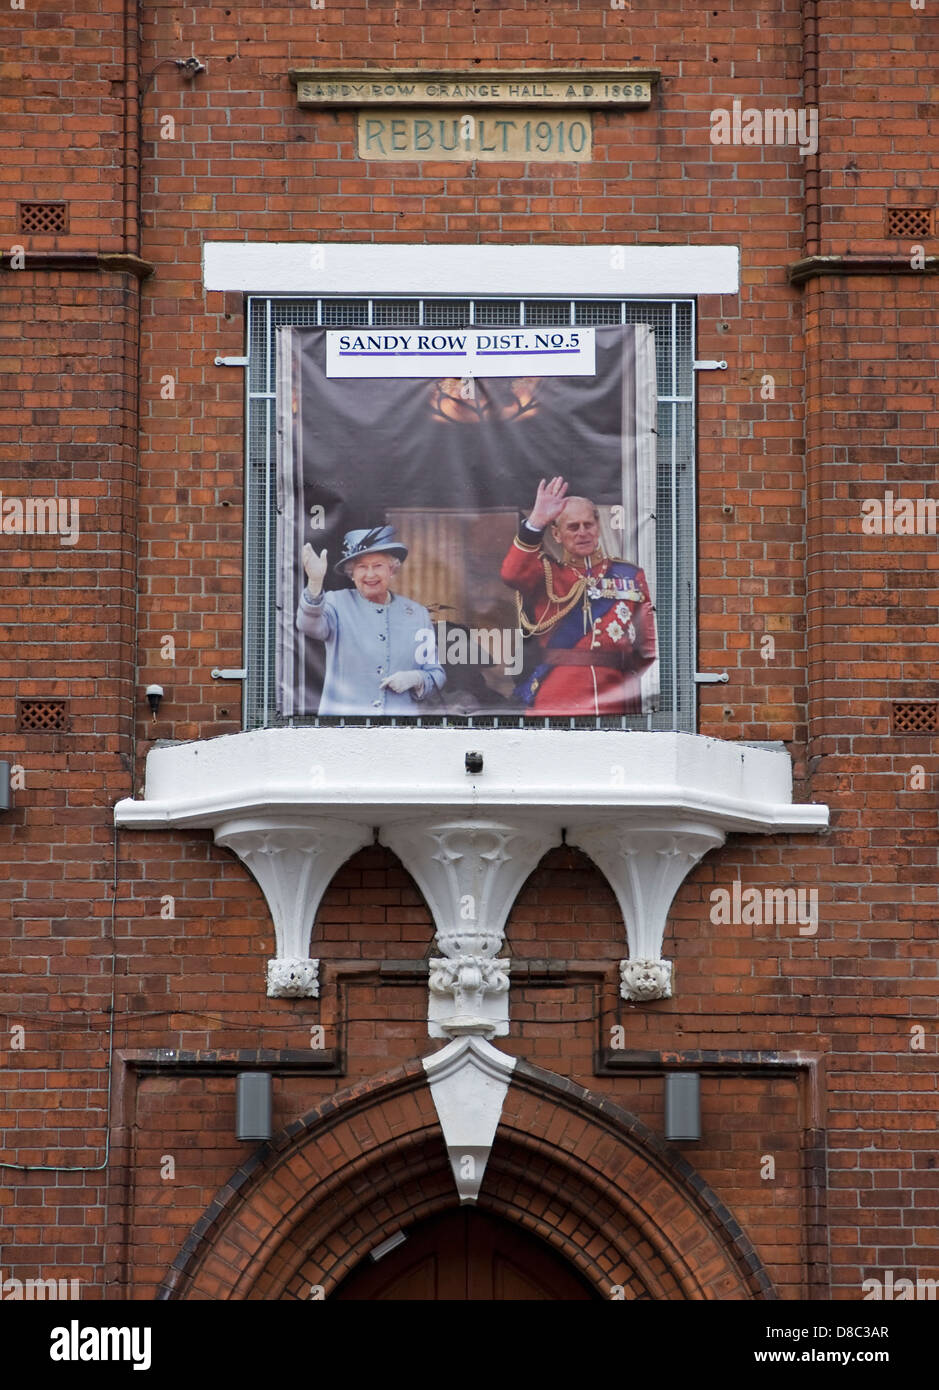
(466, 1255)
(617, 1208)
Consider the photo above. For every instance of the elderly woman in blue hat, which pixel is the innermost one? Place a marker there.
(380, 651)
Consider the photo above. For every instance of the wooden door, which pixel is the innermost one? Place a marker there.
(466, 1255)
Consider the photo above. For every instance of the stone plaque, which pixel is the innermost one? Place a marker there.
(528, 87)
(428, 133)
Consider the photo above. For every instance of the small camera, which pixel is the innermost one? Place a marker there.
(474, 762)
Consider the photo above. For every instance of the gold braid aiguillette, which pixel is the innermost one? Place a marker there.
(566, 604)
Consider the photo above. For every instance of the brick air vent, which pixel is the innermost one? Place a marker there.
(41, 716)
(909, 222)
(916, 716)
(43, 219)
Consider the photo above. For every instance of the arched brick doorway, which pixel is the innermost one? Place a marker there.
(467, 1255)
(568, 1168)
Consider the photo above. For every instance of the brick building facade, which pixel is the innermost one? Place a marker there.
(134, 944)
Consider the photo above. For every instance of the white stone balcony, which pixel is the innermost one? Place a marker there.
(294, 804)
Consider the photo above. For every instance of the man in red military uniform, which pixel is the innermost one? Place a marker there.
(591, 616)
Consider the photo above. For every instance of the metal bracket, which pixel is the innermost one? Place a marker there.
(708, 366)
(229, 674)
(708, 678)
(231, 361)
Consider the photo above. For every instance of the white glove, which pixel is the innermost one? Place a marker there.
(401, 681)
(315, 566)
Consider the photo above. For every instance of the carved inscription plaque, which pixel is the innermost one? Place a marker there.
(426, 133)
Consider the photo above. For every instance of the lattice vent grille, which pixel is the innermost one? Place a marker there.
(41, 716)
(916, 716)
(909, 222)
(43, 219)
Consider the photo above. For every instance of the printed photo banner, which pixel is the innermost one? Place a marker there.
(408, 582)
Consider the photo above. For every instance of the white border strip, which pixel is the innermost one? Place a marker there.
(569, 272)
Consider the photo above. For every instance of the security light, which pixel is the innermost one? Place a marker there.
(154, 696)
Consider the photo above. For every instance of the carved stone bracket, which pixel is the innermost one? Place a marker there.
(293, 860)
(469, 1080)
(464, 983)
(293, 979)
(645, 866)
(645, 979)
(470, 872)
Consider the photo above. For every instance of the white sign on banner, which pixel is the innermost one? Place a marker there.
(461, 352)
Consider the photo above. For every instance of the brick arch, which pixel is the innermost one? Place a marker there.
(573, 1169)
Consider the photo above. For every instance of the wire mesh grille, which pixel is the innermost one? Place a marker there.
(341, 313)
(395, 313)
(507, 313)
(673, 325)
(597, 314)
(542, 312)
(447, 313)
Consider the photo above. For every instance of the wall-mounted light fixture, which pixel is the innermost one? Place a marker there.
(253, 1105)
(154, 696)
(682, 1105)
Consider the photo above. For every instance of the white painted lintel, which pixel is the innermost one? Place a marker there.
(384, 268)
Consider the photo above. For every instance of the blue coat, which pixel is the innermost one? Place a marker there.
(367, 641)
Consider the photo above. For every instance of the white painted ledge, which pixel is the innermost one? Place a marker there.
(329, 267)
(377, 776)
(295, 804)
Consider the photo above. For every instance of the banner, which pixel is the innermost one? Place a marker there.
(466, 544)
(461, 352)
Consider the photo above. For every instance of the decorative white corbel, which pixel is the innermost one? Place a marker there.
(469, 1080)
(470, 841)
(645, 865)
(470, 872)
(468, 979)
(293, 859)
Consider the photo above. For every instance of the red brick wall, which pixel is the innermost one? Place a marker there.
(779, 550)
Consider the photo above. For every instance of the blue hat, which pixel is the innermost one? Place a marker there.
(377, 541)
